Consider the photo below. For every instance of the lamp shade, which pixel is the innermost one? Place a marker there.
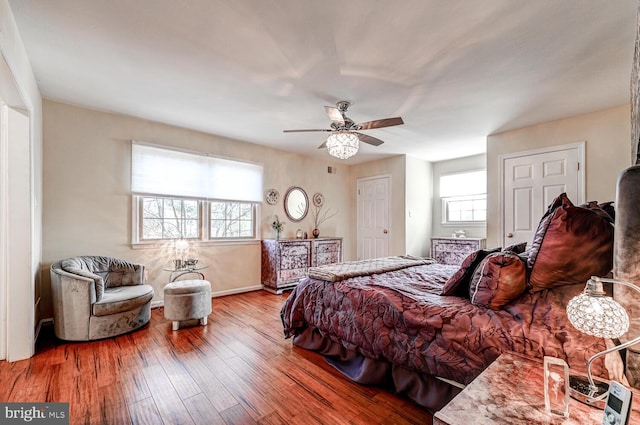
(343, 144)
(598, 315)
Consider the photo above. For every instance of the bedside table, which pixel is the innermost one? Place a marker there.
(511, 391)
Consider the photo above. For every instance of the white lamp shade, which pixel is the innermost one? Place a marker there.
(599, 316)
(343, 145)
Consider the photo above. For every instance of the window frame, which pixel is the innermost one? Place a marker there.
(475, 195)
(204, 225)
(466, 223)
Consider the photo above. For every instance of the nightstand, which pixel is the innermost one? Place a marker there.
(511, 391)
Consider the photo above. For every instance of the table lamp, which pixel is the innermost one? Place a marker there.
(595, 313)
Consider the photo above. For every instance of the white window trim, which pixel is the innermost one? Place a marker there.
(137, 243)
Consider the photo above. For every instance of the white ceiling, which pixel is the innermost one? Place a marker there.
(455, 70)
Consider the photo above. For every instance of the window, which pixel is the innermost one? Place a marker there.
(232, 220)
(464, 198)
(176, 218)
(169, 218)
(186, 195)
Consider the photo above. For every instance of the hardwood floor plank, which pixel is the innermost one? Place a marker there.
(167, 400)
(237, 416)
(144, 412)
(202, 411)
(238, 369)
(211, 386)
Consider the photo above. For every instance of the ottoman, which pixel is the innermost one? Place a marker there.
(187, 300)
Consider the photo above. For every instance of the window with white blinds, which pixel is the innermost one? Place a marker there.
(170, 172)
(185, 195)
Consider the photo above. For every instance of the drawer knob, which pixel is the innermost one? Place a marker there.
(509, 235)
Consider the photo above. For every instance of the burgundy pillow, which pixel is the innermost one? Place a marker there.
(499, 279)
(576, 243)
(458, 284)
(517, 248)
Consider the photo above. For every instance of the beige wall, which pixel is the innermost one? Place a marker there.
(87, 199)
(606, 134)
(418, 204)
(458, 165)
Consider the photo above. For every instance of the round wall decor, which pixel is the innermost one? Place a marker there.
(318, 199)
(272, 196)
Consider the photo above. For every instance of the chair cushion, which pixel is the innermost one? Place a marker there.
(121, 299)
(107, 272)
(180, 287)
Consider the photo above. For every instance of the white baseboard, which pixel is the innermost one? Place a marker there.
(160, 303)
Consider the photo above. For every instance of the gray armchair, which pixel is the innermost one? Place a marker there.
(98, 297)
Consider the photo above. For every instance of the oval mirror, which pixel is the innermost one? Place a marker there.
(296, 203)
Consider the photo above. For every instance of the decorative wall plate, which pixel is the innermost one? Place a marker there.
(272, 196)
(318, 199)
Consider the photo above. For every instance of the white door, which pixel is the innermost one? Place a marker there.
(531, 180)
(373, 217)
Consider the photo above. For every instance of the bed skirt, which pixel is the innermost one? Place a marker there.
(426, 390)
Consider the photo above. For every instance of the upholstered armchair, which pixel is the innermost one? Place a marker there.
(98, 297)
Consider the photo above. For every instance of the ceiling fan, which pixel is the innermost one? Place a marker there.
(345, 134)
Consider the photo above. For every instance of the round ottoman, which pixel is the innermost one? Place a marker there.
(187, 300)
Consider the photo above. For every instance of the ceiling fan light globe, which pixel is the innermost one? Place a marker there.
(343, 145)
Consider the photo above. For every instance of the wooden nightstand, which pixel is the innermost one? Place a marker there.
(511, 391)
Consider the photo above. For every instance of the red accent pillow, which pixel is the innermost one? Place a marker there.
(499, 279)
(571, 244)
(458, 284)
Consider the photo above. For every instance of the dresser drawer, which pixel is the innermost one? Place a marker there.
(323, 247)
(294, 250)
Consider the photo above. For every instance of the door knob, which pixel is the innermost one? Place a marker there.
(385, 231)
(509, 235)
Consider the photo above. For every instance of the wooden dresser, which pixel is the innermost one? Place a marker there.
(286, 261)
(455, 250)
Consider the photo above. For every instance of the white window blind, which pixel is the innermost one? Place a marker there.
(462, 184)
(169, 172)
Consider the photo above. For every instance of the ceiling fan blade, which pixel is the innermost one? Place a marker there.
(334, 114)
(365, 138)
(386, 122)
(300, 131)
(322, 146)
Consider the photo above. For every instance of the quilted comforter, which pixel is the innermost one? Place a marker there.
(399, 317)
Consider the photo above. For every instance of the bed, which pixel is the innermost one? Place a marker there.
(426, 330)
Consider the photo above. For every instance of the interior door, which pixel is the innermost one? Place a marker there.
(373, 217)
(531, 180)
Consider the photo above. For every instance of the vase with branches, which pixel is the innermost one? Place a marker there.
(278, 226)
(319, 217)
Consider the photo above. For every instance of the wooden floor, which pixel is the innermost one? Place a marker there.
(238, 369)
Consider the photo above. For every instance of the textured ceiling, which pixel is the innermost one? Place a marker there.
(456, 70)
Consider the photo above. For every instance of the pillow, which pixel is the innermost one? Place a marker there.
(571, 244)
(518, 248)
(458, 284)
(499, 279)
(606, 209)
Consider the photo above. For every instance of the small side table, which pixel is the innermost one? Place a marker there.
(511, 391)
(177, 273)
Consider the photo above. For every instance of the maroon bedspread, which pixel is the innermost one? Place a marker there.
(400, 317)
